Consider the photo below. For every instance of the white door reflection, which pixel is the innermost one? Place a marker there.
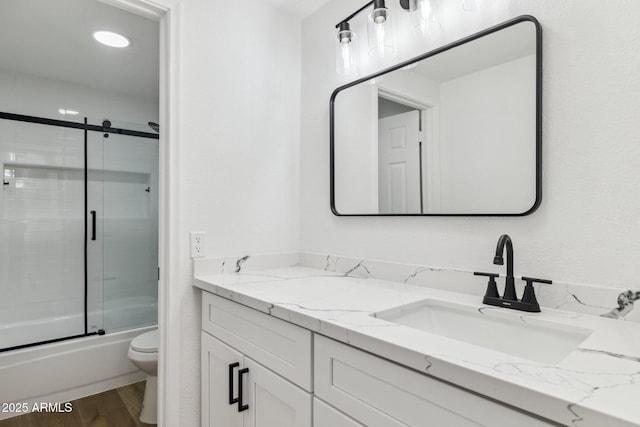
(399, 163)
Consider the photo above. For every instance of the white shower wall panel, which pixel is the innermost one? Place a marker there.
(36, 96)
(42, 245)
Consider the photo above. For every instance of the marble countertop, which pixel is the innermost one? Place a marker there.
(597, 384)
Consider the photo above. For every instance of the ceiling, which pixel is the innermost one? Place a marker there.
(53, 39)
(301, 8)
(496, 48)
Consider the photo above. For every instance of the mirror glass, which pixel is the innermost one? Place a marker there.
(454, 132)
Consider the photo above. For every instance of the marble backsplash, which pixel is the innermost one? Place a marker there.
(616, 303)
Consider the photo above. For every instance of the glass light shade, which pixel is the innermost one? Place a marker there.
(425, 15)
(347, 53)
(381, 35)
(471, 5)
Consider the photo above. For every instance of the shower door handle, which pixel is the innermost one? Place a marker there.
(93, 225)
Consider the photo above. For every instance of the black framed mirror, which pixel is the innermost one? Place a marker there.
(453, 132)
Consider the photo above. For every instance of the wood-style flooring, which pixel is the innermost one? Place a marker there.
(114, 408)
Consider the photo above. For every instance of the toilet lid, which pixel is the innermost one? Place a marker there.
(146, 343)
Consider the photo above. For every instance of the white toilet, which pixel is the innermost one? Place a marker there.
(143, 352)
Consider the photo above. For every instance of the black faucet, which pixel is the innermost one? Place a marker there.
(509, 287)
(509, 299)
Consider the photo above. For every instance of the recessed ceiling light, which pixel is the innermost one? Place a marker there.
(111, 39)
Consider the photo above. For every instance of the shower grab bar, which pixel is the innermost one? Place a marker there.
(93, 225)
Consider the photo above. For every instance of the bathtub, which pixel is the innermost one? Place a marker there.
(66, 370)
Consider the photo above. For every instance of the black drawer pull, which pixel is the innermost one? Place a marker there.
(232, 399)
(241, 406)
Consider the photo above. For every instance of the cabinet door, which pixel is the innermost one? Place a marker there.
(282, 347)
(327, 416)
(274, 401)
(215, 364)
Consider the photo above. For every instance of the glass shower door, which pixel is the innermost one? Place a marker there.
(41, 233)
(126, 259)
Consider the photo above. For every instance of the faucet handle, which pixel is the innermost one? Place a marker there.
(529, 296)
(492, 289)
(490, 275)
(531, 280)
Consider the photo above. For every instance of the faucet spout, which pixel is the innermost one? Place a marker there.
(510, 288)
(503, 241)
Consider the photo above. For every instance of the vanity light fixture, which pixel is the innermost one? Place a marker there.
(381, 36)
(380, 31)
(111, 39)
(347, 59)
(425, 15)
(425, 19)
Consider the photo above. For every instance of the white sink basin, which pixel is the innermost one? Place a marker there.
(503, 330)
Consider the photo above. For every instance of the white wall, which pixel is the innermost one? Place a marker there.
(239, 157)
(356, 163)
(41, 97)
(486, 117)
(587, 226)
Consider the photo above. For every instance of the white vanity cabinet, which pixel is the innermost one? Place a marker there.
(242, 349)
(285, 370)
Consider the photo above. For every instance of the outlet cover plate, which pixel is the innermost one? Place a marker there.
(198, 244)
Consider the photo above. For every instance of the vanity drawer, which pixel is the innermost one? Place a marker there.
(377, 393)
(326, 416)
(278, 345)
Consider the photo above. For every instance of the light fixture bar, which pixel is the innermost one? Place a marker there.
(348, 18)
(403, 4)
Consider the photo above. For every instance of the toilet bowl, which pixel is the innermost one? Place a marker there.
(143, 352)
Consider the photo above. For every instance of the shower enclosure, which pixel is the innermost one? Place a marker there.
(78, 228)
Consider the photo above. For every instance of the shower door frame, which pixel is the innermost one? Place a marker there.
(86, 127)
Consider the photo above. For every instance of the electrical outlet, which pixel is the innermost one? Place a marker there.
(198, 244)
